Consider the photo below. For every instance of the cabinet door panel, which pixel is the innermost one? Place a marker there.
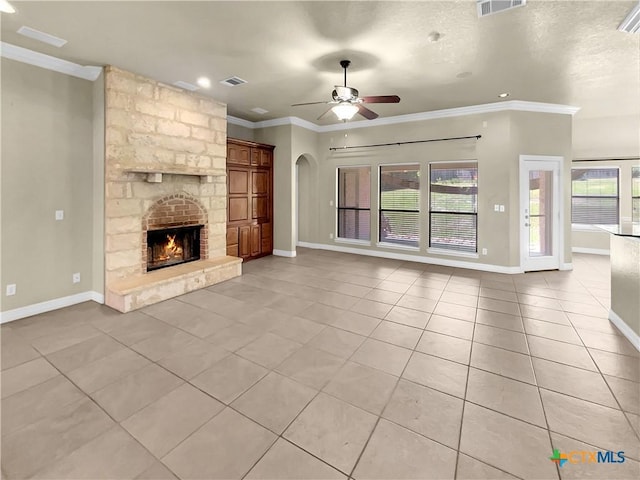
(255, 240)
(244, 245)
(232, 235)
(255, 156)
(238, 154)
(238, 181)
(238, 209)
(266, 158)
(260, 182)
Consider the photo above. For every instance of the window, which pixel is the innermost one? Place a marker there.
(635, 194)
(594, 196)
(354, 203)
(400, 204)
(453, 209)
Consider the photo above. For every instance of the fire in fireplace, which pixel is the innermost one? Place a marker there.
(172, 246)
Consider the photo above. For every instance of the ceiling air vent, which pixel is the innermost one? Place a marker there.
(631, 24)
(489, 7)
(233, 81)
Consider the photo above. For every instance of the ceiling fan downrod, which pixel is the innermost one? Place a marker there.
(345, 64)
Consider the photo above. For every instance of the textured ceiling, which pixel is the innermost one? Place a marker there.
(566, 52)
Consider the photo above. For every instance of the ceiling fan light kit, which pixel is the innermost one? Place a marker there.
(347, 102)
(345, 110)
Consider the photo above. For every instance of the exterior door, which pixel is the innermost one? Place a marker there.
(540, 213)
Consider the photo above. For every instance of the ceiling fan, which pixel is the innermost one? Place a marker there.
(346, 102)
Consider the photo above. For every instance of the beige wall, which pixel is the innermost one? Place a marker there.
(606, 137)
(283, 193)
(98, 184)
(544, 134)
(47, 165)
(242, 133)
(625, 281)
(505, 136)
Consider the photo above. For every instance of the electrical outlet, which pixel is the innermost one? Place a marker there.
(76, 278)
(496, 208)
(11, 289)
(331, 203)
(484, 251)
(501, 208)
(59, 214)
(331, 236)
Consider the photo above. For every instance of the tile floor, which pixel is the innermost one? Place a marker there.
(328, 366)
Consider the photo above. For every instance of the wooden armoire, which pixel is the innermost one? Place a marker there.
(249, 199)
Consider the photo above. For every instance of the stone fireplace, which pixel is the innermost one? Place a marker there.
(165, 192)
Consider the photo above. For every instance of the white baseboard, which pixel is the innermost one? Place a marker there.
(55, 304)
(414, 258)
(592, 251)
(625, 329)
(285, 253)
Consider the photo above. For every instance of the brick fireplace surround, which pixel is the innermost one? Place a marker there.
(165, 166)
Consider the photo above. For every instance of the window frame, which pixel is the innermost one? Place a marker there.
(337, 237)
(590, 226)
(399, 245)
(633, 197)
(442, 249)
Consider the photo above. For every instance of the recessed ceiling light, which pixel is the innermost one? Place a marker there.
(504, 95)
(259, 110)
(204, 82)
(6, 7)
(42, 36)
(186, 85)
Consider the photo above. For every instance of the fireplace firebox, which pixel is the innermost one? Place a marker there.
(172, 246)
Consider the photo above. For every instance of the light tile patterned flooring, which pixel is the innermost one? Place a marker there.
(328, 366)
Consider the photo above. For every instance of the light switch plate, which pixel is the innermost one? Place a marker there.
(11, 289)
(59, 214)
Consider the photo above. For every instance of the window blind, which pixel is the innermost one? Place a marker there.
(594, 196)
(400, 204)
(354, 203)
(453, 206)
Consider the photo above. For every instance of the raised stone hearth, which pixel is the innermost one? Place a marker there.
(165, 167)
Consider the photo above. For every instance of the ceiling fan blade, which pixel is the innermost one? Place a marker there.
(366, 113)
(309, 103)
(321, 116)
(381, 99)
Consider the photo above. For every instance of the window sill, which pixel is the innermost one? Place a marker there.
(585, 228)
(451, 253)
(398, 246)
(353, 241)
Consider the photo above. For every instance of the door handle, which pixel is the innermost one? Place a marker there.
(526, 224)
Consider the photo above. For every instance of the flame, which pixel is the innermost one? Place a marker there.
(171, 249)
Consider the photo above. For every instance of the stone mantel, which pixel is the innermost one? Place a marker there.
(154, 173)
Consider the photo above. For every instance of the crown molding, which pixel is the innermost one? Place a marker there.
(512, 105)
(38, 59)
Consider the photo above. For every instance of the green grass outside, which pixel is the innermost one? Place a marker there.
(603, 187)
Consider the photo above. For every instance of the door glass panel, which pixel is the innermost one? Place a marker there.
(540, 213)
